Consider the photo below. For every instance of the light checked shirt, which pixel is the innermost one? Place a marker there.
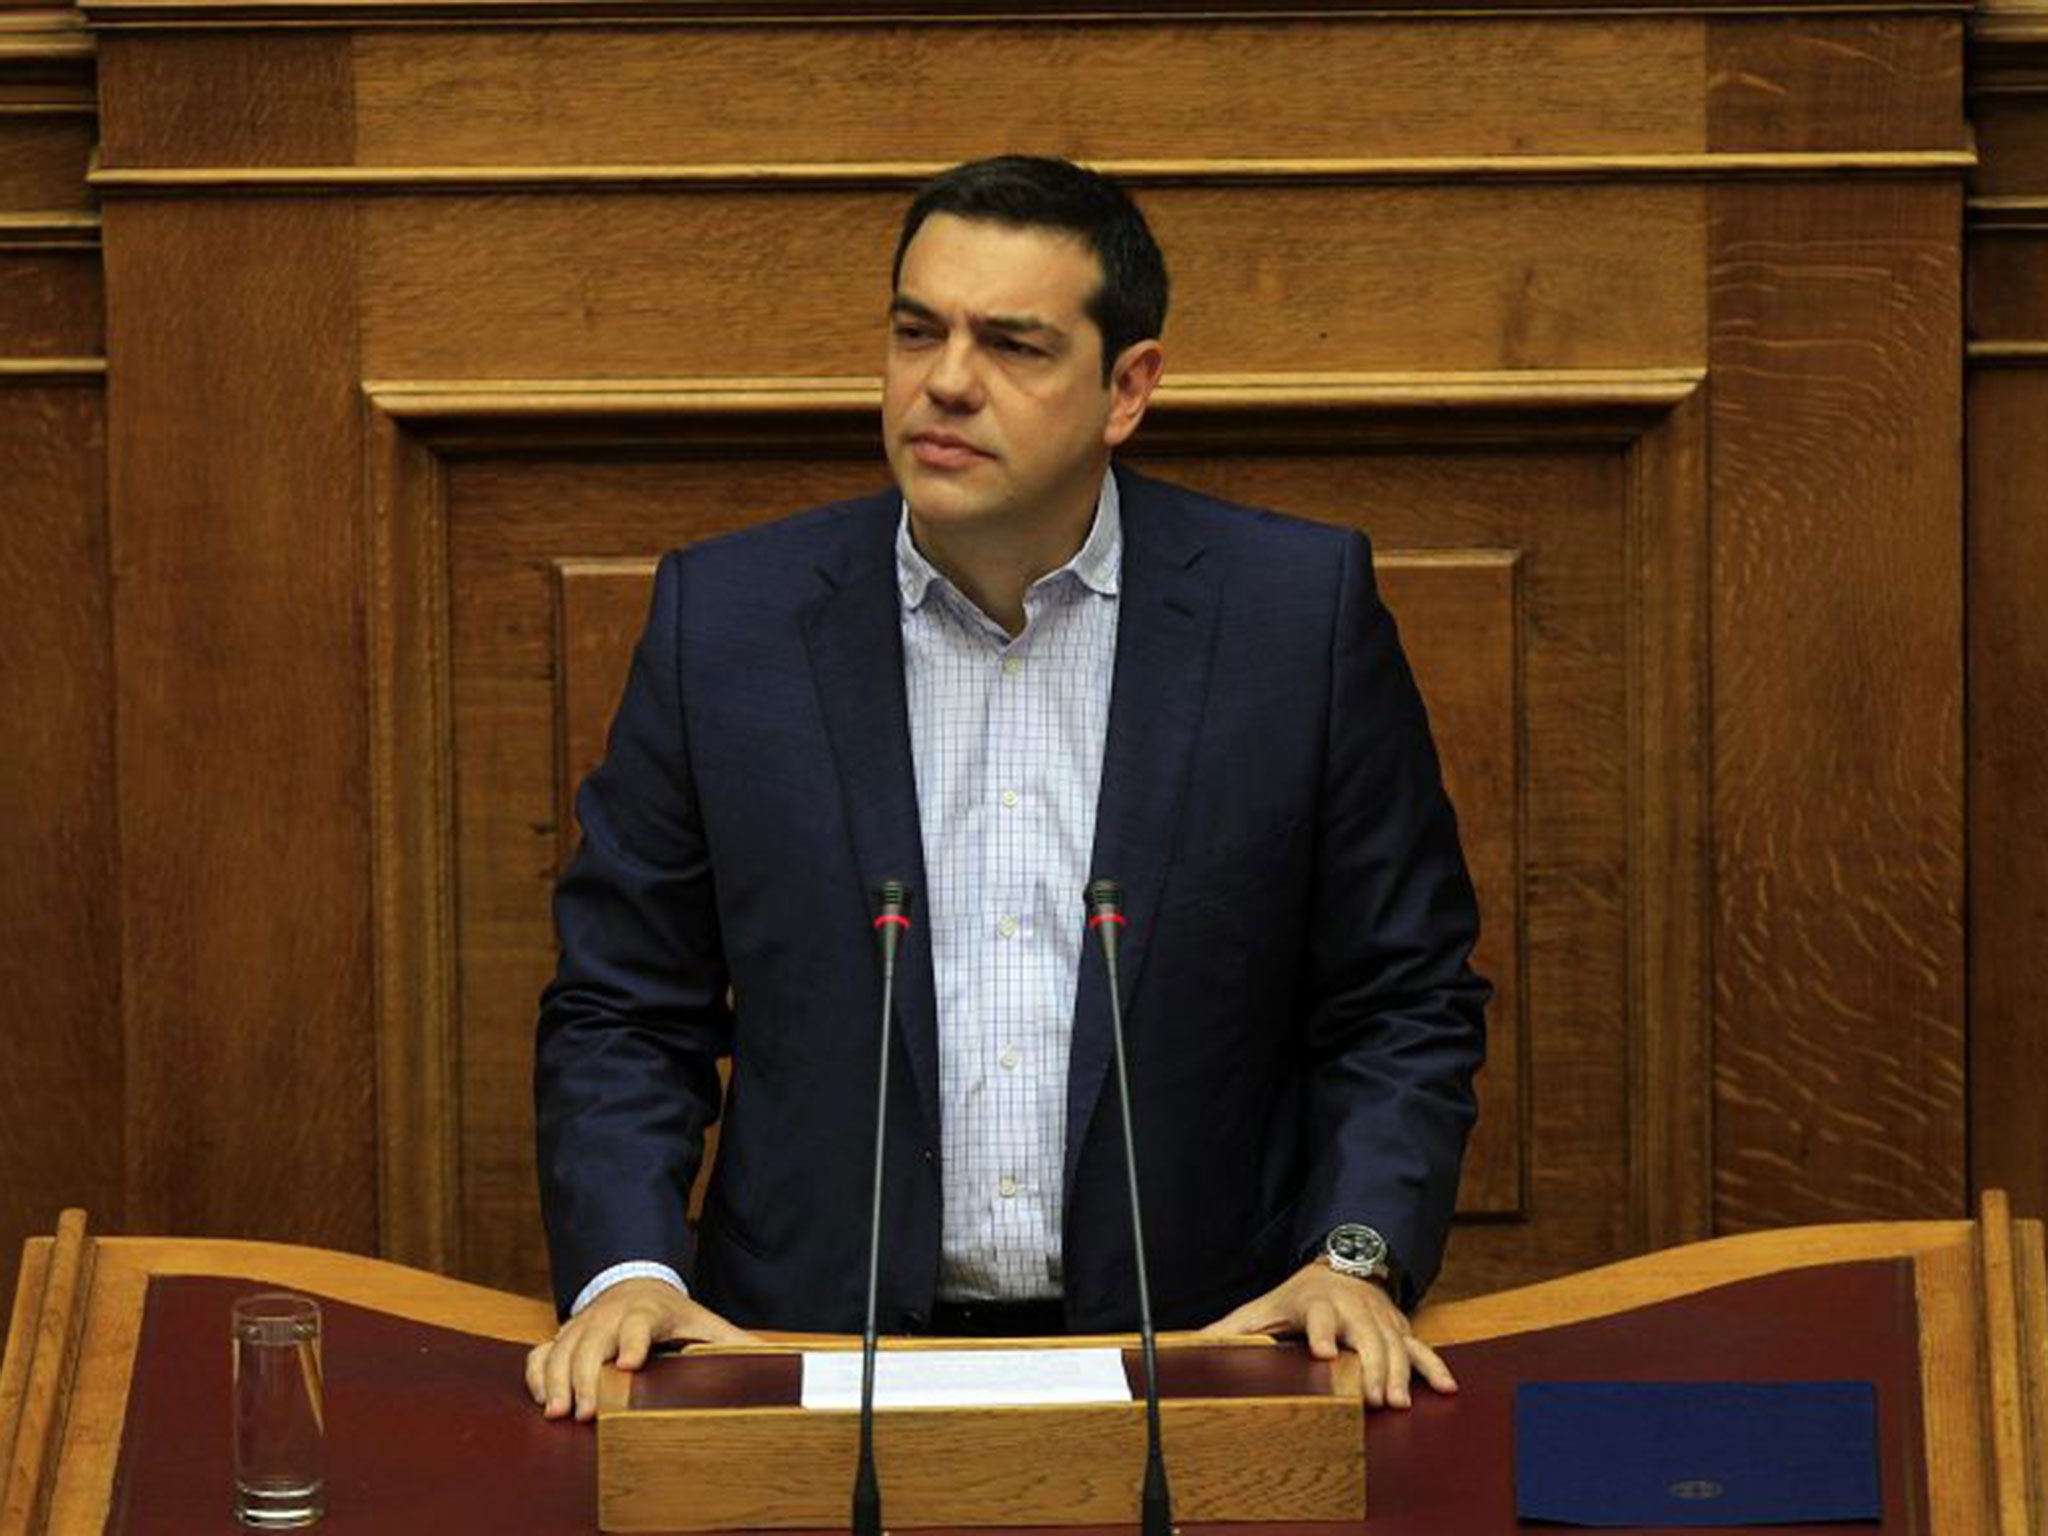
(1006, 740)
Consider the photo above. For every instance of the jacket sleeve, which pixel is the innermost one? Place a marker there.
(633, 1024)
(1396, 1022)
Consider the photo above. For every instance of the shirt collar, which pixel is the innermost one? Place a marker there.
(1097, 564)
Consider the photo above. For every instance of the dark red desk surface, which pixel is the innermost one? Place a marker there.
(431, 1431)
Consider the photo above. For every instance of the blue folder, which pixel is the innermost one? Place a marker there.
(1696, 1452)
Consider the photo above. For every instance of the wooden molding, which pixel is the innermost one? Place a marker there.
(368, 180)
(674, 13)
(53, 1333)
(49, 231)
(413, 850)
(2008, 48)
(52, 370)
(2007, 354)
(2007, 215)
(1656, 416)
(2007, 1392)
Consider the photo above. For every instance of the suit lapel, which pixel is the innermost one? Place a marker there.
(1166, 634)
(855, 639)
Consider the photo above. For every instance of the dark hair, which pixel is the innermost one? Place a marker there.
(1032, 192)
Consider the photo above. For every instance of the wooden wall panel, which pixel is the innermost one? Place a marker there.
(1810, 83)
(890, 93)
(1269, 280)
(1461, 619)
(1837, 758)
(2007, 572)
(2008, 568)
(59, 913)
(241, 699)
(61, 1093)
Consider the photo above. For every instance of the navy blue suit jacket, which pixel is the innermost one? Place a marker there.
(1303, 1023)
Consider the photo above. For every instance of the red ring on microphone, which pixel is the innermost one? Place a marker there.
(893, 917)
(1106, 917)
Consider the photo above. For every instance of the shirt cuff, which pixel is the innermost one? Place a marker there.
(632, 1269)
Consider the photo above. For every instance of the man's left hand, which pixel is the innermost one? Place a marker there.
(1342, 1311)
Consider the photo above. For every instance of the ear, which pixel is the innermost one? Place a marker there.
(1131, 383)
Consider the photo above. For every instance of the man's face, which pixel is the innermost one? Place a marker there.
(993, 403)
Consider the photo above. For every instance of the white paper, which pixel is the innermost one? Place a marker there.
(967, 1378)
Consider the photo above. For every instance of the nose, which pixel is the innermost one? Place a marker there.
(953, 382)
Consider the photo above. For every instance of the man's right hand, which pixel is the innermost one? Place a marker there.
(620, 1326)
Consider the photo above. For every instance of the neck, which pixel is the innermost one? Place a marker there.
(994, 565)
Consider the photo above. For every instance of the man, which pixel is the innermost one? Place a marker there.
(1017, 671)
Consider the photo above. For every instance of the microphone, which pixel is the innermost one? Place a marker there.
(1105, 900)
(892, 903)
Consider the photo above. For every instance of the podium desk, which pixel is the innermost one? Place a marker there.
(114, 1389)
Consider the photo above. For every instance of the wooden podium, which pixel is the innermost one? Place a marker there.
(717, 1440)
(114, 1418)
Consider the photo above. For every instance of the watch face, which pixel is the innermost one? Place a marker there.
(1356, 1245)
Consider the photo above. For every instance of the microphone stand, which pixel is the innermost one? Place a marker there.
(1105, 915)
(892, 901)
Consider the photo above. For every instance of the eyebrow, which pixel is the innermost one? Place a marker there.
(1009, 325)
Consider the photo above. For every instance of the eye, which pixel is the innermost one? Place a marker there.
(910, 333)
(1012, 347)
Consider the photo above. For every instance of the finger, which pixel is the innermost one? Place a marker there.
(592, 1350)
(536, 1372)
(1397, 1371)
(1321, 1325)
(1365, 1341)
(556, 1378)
(1431, 1365)
(636, 1334)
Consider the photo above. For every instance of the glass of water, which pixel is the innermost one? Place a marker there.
(280, 1413)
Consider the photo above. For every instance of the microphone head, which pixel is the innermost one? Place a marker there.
(1105, 897)
(892, 898)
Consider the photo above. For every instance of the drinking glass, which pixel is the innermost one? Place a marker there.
(280, 1414)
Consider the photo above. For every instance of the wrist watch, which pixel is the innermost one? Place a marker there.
(1359, 1251)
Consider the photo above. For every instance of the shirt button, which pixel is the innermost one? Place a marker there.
(1011, 798)
(1007, 926)
(1009, 1058)
(1012, 665)
(1007, 1188)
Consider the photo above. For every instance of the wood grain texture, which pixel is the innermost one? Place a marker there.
(1244, 1459)
(2008, 281)
(111, 14)
(236, 98)
(237, 501)
(1837, 798)
(2007, 573)
(1267, 280)
(44, 156)
(1463, 623)
(1793, 83)
(58, 1326)
(2012, 144)
(1346, 87)
(61, 1095)
(49, 300)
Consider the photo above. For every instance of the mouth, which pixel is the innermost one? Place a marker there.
(942, 450)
